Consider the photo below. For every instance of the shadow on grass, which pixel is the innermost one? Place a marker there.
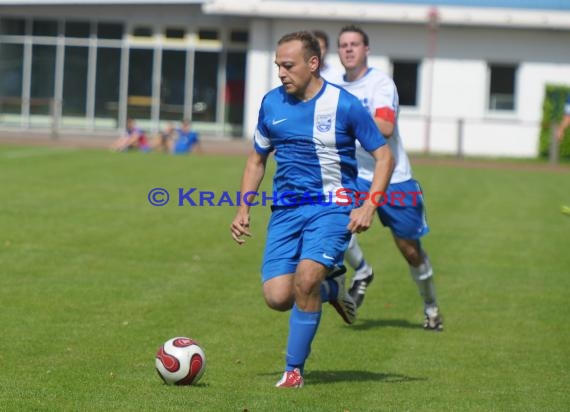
(365, 324)
(335, 376)
(357, 376)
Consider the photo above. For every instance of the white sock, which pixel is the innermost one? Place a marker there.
(423, 276)
(355, 259)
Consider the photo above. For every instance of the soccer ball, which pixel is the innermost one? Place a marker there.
(180, 361)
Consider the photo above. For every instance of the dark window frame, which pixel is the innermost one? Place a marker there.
(408, 91)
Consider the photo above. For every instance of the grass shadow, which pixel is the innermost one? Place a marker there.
(357, 376)
(366, 324)
(324, 377)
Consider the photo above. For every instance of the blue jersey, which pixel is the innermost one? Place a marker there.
(186, 140)
(190, 136)
(314, 141)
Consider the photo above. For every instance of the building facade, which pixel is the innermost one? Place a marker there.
(87, 66)
(470, 79)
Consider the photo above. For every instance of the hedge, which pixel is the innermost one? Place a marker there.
(553, 111)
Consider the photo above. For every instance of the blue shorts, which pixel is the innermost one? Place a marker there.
(312, 232)
(402, 209)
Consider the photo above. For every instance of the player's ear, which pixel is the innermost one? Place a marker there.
(314, 63)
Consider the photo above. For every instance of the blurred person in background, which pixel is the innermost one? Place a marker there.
(565, 120)
(560, 136)
(329, 73)
(188, 140)
(132, 138)
(164, 141)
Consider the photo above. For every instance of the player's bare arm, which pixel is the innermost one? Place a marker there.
(361, 218)
(252, 176)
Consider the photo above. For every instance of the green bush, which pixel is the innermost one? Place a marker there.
(552, 112)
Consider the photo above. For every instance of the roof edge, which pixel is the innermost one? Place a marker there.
(391, 13)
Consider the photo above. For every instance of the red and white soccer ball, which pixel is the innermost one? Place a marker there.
(180, 361)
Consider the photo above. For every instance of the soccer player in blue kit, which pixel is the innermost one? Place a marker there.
(311, 126)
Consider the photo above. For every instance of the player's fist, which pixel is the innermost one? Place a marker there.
(240, 227)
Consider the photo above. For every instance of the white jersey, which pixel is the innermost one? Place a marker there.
(378, 93)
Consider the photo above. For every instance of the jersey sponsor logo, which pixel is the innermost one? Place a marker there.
(274, 122)
(327, 256)
(364, 102)
(324, 122)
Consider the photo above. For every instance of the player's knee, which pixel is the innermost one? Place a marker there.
(278, 293)
(281, 303)
(411, 252)
(412, 256)
(307, 285)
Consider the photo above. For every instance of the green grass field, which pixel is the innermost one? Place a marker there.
(93, 279)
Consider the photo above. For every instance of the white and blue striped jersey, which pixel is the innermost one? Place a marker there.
(314, 141)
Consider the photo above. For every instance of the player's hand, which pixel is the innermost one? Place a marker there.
(240, 227)
(361, 218)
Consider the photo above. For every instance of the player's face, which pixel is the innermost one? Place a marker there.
(294, 72)
(351, 50)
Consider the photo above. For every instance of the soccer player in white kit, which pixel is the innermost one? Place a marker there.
(403, 211)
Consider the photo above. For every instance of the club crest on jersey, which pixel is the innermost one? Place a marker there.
(324, 122)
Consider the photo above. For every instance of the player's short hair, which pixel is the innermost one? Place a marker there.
(310, 43)
(355, 29)
(319, 34)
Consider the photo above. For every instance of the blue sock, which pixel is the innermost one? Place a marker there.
(302, 329)
(329, 290)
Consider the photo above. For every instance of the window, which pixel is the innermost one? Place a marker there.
(113, 31)
(502, 87)
(204, 105)
(42, 83)
(208, 34)
(44, 28)
(43, 71)
(172, 84)
(140, 83)
(405, 75)
(77, 29)
(107, 87)
(142, 31)
(11, 72)
(174, 33)
(11, 69)
(235, 87)
(13, 26)
(239, 36)
(75, 81)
